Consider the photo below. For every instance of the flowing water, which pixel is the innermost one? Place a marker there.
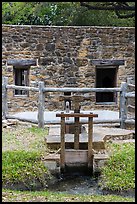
(76, 185)
(85, 185)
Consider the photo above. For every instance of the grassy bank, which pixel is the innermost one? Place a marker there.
(119, 172)
(23, 149)
(25, 169)
(22, 166)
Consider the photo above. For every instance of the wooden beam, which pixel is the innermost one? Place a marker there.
(76, 134)
(91, 115)
(22, 62)
(108, 62)
(123, 104)
(66, 89)
(76, 156)
(4, 97)
(90, 140)
(82, 90)
(27, 88)
(41, 105)
(62, 151)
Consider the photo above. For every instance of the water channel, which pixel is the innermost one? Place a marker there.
(84, 185)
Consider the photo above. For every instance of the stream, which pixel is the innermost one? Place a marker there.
(84, 185)
(76, 185)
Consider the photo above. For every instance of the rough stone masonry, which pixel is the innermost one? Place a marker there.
(64, 57)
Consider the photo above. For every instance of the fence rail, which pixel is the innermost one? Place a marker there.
(41, 97)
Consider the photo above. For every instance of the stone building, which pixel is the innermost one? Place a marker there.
(67, 56)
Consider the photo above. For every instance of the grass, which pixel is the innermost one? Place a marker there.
(21, 157)
(46, 196)
(25, 168)
(21, 163)
(19, 138)
(119, 173)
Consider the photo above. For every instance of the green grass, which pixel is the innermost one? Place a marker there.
(21, 163)
(24, 139)
(23, 149)
(46, 196)
(119, 172)
(23, 167)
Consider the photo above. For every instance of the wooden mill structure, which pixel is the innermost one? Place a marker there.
(75, 157)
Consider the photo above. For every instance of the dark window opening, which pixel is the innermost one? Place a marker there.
(67, 100)
(106, 77)
(21, 78)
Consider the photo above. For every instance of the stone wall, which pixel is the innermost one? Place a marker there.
(64, 58)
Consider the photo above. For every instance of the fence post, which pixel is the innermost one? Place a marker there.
(123, 104)
(4, 97)
(41, 105)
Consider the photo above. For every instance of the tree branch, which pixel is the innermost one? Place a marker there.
(112, 7)
(130, 15)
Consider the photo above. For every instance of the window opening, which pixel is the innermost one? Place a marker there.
(67, 100)
(21, 78)
(106, 77)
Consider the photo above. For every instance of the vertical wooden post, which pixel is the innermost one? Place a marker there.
(123, 104)
(76, 134)
(4, 98)
(90, 139)
(76, 101)
(41, 105)
(62, 153)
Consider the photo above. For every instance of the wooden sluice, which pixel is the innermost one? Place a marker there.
(76, 157)
(74, 141)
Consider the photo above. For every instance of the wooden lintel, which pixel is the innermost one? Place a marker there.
(76, 115)
(72, 98)
(22, 62)
(108, 62)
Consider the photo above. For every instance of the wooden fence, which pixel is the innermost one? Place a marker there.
(41, 99)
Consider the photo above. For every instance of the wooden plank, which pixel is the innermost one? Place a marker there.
(27, 88)
(73, 98)
(4, 98)
(58, 122)
(123, 104)
(76, 115)
(41, 105)
(76, 134)
(108, 62)
(62, 151)
(22, 62)
(90, 146)
(76, 156)
(83, 90)
(52, 157)
(76, 101)
(66, 89)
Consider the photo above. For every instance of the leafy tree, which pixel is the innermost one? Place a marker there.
(67, 13)
(117, 7)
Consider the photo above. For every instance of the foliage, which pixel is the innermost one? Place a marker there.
(121, 9)
(59, 14)
(119, 172)
(23, 167)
